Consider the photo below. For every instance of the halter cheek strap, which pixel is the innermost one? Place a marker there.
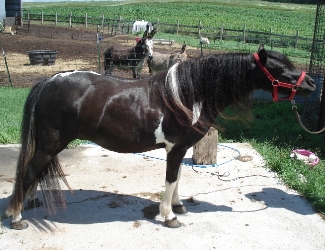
(277, 83)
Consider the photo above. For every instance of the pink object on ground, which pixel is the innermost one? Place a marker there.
(306, 155)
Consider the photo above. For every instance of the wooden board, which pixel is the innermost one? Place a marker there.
(205, 151)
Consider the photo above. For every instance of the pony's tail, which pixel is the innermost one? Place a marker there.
(27, 151)
(51, 188)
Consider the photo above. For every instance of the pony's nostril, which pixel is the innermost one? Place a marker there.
(312, 83)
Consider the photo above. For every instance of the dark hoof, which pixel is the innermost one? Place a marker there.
(174, 223)
(35, 203)
(20, 225)
(179, 209)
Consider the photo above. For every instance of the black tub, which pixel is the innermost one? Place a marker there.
(43, 57)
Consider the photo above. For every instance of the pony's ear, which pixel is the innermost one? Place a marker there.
(152, 33)
(145, 34)
(262, 54)
(183, 48)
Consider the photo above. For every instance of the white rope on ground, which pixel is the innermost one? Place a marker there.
(198, 165)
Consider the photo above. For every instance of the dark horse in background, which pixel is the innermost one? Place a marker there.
(129, 59)
(172, 109)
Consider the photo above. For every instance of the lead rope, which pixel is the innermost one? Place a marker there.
(294, 108)
(227, 174)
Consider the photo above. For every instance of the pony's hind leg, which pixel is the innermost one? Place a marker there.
(26, 185)
(33, 200)
(135, 73)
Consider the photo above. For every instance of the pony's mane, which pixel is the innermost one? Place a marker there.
(216, 81)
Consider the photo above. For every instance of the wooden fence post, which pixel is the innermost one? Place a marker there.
(56, 18)
(28, 15)
(86, 21)
(177, 26)
(296, 43)
(270, 36)
(42, 17)
(119, 23)
(103, 20)
(244, 33)
(221, 32)
(199, 28)
(157, 26)
(70, 19)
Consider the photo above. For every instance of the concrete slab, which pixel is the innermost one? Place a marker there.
(247, 208)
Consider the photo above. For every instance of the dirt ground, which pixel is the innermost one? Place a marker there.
(77, 49)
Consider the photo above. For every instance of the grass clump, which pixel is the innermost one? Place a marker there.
(11, 111)
(274, 133)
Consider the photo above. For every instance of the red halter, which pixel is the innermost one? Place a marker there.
(277, 83)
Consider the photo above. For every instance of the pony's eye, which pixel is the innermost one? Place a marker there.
(284, 69)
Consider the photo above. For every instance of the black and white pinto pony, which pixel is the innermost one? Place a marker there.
(129, 58)
(172, 109)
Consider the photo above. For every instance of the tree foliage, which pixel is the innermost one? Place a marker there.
(297, 1)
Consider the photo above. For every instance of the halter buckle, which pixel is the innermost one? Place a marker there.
(275, 82)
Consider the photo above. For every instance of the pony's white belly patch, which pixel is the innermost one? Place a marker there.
(160, 137)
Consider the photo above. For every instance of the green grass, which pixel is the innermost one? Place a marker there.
(274, 133)
(11, 110)
(273, 122)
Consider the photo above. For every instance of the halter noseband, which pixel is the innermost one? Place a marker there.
(276, 83)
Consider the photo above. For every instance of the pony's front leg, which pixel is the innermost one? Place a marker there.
(174, 159)
(109, 69)
(136, 73)
(177, 205)
(166, 206)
